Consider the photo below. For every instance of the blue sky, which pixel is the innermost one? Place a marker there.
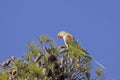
(95, 23)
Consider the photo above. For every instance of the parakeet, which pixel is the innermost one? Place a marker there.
(67, 37)
(69, 40)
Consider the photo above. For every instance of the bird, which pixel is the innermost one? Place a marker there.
(65, 36)
(69, 40)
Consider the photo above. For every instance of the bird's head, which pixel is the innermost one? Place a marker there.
(61, 34)
(65, 35)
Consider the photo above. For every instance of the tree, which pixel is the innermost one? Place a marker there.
(45, 61)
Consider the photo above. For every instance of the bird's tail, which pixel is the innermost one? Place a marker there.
(98, 63)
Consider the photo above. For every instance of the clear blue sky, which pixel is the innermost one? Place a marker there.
(95, 23)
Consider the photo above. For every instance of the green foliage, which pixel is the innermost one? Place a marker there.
(33, 50)
(4, 75)
(99, 72)
(44, 38)
(43, 62)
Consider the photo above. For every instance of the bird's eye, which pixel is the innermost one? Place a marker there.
(59, 36)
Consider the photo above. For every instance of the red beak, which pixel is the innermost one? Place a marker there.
(58, 36)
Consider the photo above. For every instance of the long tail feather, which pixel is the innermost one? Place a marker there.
(98, 63)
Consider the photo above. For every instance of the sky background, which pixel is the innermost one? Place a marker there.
(95, 23)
